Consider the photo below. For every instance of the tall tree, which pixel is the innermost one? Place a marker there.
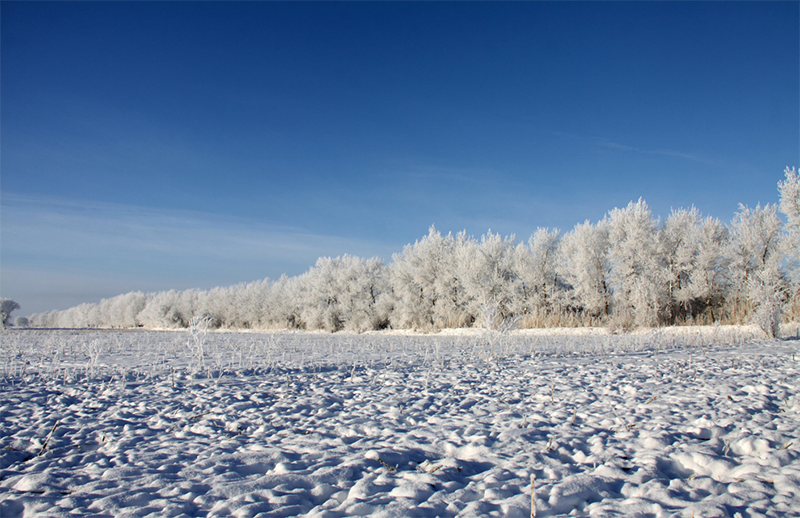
(428, 292)
(637, 274)
(585, 266)
(677, 246)
(540, 274)
(709, 279)
(756, 255)
(486, 269)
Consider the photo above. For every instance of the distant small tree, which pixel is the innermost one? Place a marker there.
(6, 307)
(20, 322)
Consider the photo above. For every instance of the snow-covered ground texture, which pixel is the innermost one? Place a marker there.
(666, 423)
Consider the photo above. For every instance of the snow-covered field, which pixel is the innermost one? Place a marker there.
(667, 423)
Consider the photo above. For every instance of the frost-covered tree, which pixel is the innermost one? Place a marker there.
(20, 322)
(521, 303)
(367, 305)
(537, 271)
(428, 292)
(789, 190)
(708, 279)
(7, 306)
(344, 293)
(285, 309)
(454, 307)
(125, 308)
(45, 319)
(486, 269)
(164, 310)
(637, 273)
(320, 302)
(217, 307)
(755, 264)
(585, 266)
(253, 297)
(756, 240)
(678, 246)
(247, 305)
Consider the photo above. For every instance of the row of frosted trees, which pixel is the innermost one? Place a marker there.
(626, 270)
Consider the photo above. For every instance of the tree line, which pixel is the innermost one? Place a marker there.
(627, 270)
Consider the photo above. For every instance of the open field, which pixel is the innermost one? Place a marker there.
(674, 422)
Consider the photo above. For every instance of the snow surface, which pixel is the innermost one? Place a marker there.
(697, 423)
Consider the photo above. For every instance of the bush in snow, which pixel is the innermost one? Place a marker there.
(766, 291)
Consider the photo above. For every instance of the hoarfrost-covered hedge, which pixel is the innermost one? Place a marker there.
(627, 270)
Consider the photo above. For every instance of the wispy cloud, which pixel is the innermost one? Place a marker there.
(626, 148)
(665, 152)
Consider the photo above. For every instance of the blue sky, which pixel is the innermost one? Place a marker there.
(194, 144)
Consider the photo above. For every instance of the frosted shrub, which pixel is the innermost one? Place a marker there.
(767, 293)
(198, 329)
(488, 316)
(496, 329)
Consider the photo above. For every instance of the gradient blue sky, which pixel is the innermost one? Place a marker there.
(194, 144)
